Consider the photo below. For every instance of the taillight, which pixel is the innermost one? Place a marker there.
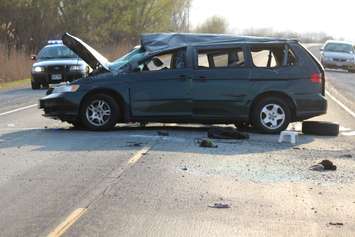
(316, 78)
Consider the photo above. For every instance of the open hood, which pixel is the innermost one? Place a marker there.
(93, 58)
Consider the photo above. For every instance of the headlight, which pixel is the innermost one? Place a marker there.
(38, 69)
(66, 88)
(77, 68)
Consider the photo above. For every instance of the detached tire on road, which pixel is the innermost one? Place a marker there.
(100, 112)
(320, 128)
(271, 115)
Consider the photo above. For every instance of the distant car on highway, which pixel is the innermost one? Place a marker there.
(194, 78)
(56, 63)
(338, 55)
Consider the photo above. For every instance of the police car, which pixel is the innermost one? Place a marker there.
(56, 63)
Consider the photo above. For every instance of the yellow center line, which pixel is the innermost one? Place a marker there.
(139, 155)
(75, 215)
(67, 223)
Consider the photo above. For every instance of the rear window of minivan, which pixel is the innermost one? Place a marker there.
(272, 56)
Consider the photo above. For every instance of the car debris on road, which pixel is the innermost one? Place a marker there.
(320, 128)
(207, 144)
(336, 223)
(220, 206)
(226, 133)
(323, 166)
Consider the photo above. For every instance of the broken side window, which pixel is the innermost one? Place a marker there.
(221, 58)
(165, 61)
(272, 56)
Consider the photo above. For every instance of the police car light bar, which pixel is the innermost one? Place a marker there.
(55, 42)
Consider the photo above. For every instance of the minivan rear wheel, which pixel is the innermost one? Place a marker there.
(100, 112)
(271, 115)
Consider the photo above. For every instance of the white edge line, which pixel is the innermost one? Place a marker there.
(18, 109)
(341, 104)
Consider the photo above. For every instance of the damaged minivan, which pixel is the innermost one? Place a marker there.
(193, 78)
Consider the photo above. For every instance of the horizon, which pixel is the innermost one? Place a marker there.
(317, 17)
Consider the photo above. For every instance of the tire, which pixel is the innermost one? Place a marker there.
(35, 85)
(320, 128)
(93, 109)
(45, 85)
(271, 115)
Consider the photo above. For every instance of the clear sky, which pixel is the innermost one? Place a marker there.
(335, 17)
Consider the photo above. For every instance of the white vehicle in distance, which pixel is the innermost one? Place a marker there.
(338, 55)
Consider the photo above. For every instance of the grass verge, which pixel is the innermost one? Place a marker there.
(15, 84)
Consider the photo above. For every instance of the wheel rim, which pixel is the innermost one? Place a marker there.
(98, 113)
(272, 116)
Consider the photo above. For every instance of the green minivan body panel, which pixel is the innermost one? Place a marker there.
(160, 93)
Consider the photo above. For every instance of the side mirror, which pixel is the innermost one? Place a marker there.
(157, 62)
(33, 57)
(321, 49)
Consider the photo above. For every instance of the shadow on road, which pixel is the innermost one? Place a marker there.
(179, 139)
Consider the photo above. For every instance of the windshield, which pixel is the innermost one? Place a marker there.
(134, 55)
(335, 47)
(54, 52)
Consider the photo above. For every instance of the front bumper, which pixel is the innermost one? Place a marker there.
(46, 78)
(308, 106)
(338, 64)
(63, 106)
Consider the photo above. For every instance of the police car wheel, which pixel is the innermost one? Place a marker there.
(35, 85)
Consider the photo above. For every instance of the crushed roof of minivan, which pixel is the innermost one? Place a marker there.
(163, 41)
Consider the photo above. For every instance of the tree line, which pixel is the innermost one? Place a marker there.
(28, 24)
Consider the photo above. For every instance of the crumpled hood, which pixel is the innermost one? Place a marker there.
(338, 55)
(59, 62)
(93, 58)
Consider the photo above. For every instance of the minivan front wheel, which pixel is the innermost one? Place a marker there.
(271, 115)
(100, 112)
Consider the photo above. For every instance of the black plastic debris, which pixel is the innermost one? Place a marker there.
(336, 223)
(184, 168)
(207, 144)
(220, 205)
(163, 133)
(135, 144)
(323, 166)
(226, 133)
(346, 156)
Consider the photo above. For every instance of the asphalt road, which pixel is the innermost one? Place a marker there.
(55, 180)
